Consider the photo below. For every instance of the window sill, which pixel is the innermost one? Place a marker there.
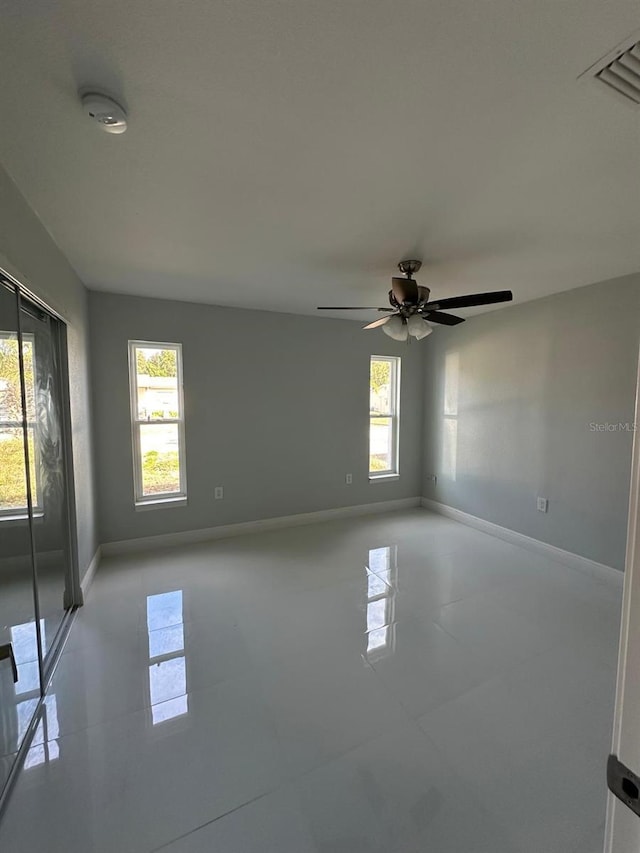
(375, 478)
(160, 503)
(38, 517)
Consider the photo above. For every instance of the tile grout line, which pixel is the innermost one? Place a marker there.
(214, 820)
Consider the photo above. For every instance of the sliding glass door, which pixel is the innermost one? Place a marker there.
(35, 552)
(41, 343)
(19, 663)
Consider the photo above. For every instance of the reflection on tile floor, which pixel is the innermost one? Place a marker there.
(21, 698)
(378, 685)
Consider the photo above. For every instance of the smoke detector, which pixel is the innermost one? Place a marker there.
(108, 114)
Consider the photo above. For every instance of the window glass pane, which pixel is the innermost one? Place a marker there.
(157, 383)
(159, 452)
(381, 444)
(10, 397)
(380, 387)
(13, 483)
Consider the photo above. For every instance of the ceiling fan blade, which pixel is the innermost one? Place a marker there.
(349, 308)
(404, 290)
(472, 299)
(441, 317)
(379, 322)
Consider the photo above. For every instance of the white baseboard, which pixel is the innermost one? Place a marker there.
(567, 558)
(89, 575)
(227, 531)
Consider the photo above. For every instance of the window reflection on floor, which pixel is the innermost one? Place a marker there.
(44, 745)
(381, 586)
(25, 648)
(167, 661)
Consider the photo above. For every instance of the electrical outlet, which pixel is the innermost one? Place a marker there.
(218, 493)
(543, 505)
(348, 479)
(433, 478)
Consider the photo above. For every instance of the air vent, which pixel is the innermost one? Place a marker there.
(623, 74)
(619, 70)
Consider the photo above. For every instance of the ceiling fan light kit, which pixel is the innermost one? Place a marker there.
(396, 328)
(417, 328)
(411, 312)
(401, 329)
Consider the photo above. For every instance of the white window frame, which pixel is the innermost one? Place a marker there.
(143, 501)
(393, 415)
(19, 513)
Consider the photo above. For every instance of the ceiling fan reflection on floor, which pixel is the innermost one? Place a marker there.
(411, 312)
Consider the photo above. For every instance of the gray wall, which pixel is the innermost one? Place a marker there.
(276, 410)
(531, 379)
(28, 252)
(510, 395)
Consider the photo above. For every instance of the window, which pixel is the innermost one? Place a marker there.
(384, 394)
(157, 416)
(13, 484)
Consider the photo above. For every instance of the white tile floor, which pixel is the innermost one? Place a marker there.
(391, 684)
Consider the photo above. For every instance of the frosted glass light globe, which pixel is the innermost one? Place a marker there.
(418, 328)
(396, 329)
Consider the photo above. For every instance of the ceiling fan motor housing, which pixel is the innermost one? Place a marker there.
(406, 293)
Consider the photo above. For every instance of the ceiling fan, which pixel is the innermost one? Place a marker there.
(411, 310)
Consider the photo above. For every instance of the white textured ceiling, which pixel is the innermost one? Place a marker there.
(287, 153)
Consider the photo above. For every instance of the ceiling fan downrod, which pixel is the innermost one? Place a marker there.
(409, 268)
